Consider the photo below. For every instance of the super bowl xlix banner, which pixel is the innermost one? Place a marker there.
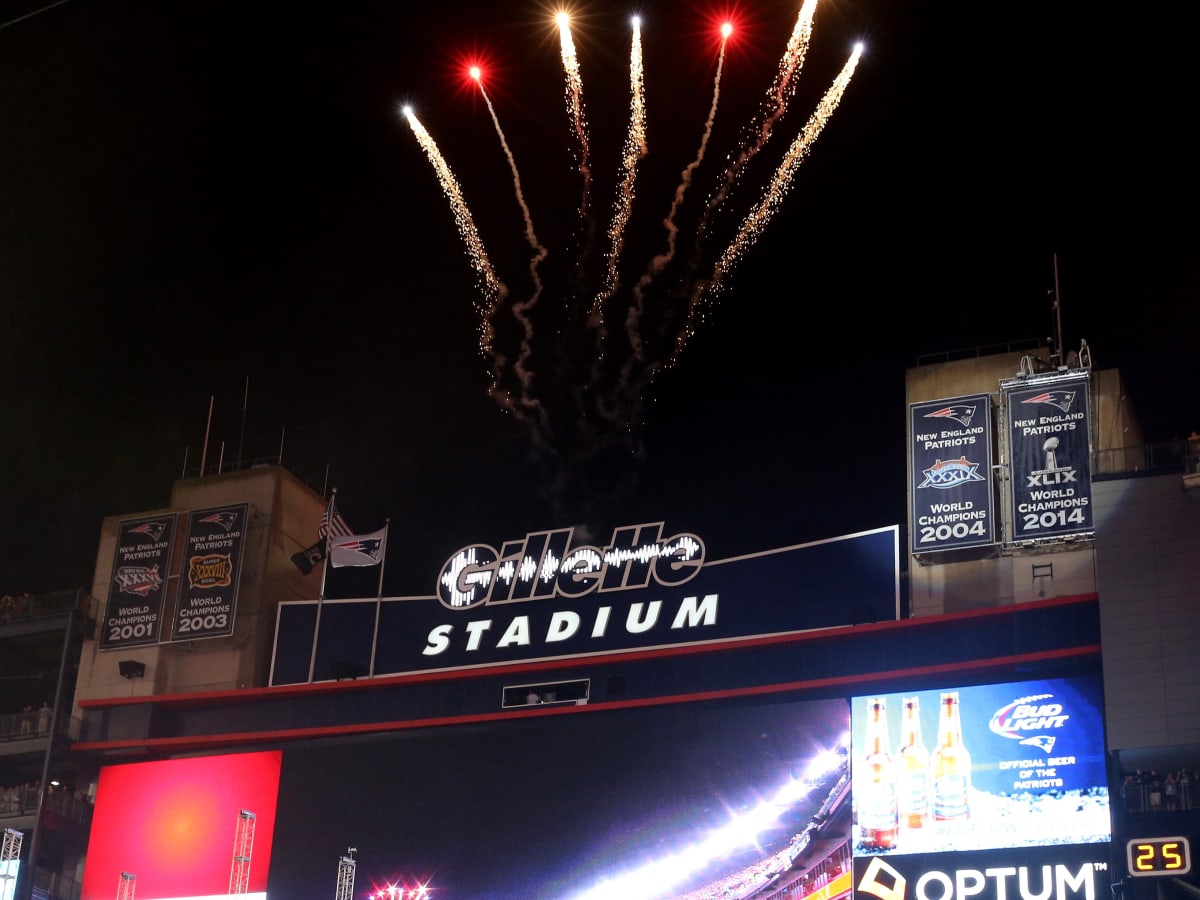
(951, 475)
(138, 583)
(212, 564)
(1051, 468)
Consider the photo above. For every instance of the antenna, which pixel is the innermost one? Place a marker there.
(207, 428)
(242, 436)
(1058, 336)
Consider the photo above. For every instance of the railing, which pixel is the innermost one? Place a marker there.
(1158, 459)
(26, 607)
(1165, 796)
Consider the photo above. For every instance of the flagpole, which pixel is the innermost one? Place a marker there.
(379, 596)
(312, 659)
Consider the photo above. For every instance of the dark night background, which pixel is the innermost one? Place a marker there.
(193, 195)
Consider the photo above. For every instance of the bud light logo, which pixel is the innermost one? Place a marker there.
(1038, 712)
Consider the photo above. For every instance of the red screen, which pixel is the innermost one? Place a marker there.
(174, 824)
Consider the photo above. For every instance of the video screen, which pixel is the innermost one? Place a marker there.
(980, 767)
(697, 800)
(184, 829)
(9, 871)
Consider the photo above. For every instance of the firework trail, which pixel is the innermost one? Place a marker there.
(782, 90)
(520, 310)
(635, 148)
(492, 290)
(574, 88)
(760, 216)
(658, 263)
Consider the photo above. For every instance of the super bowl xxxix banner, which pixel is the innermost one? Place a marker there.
(138, 584)
(1051, 476)
(212, 564)
(951, 473)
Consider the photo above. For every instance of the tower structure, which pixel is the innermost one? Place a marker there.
(10, 857)
(345, 876)
(126, 886)
(243, 845)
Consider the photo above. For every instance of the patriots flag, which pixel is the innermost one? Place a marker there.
(332, 525)
(358, 549)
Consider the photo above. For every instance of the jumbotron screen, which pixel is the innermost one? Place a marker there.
(980, 767)
(689, 800)
(184, 829)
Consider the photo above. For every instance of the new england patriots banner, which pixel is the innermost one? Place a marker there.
(358, 549)
(950, 474)
(212, 567)
(1049, 444)
(137, 586)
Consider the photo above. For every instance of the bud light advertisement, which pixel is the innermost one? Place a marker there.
(979, 767)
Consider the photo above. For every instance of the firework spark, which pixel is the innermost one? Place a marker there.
(492, 289)
(574, 89)
(782, 90)
(520, 309)
(760, 216)
(584, 409)
(634, 150)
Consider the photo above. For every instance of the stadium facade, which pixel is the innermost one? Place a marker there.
(1014, 711)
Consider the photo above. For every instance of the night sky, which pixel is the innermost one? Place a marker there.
(193, 195)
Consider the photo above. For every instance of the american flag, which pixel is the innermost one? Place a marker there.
(332, 522)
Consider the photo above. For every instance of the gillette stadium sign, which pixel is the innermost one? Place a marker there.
(548, 595)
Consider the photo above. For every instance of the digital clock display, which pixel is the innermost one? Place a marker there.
(1158, 856)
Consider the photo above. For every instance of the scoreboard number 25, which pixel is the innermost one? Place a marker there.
(1158, 856)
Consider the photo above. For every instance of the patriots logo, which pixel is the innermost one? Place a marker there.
(152, 530)
(369, 546)
(961, 414)
(225, 520)
(1060, 399)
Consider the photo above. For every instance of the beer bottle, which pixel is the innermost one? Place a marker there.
(950, 767)
(878, 815)
(913, 764)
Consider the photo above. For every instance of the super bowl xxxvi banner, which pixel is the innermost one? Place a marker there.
(138, 583)
(1051, 475)
(950, 451)
(212, 564)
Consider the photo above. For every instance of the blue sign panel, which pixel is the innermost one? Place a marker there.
(544, 597)
(950, 454)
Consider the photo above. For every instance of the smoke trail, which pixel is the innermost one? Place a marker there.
(633, 318)
(574, 89)
(760, 216)
(520, 310)
(781, 91)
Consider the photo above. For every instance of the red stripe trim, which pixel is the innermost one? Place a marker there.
(256, 737)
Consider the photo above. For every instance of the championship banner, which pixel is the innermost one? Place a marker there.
(950, 475)
(1051, 474)
(138, 584)
(212, 565)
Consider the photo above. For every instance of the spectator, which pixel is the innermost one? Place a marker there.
(44, 714)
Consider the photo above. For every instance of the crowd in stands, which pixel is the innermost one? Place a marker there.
(65, 800)
(15, 606)
(1150, 791)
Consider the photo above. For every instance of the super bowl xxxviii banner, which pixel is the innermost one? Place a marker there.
(1051, 475)
(138, 584)
(544, 595)
(212, 564)
(950, 453)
